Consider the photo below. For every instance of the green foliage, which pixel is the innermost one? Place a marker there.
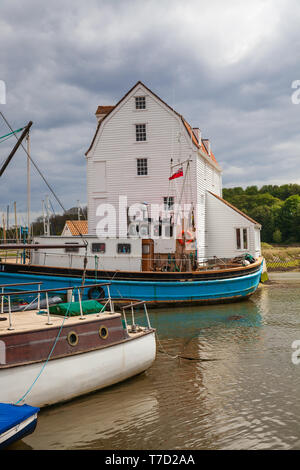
(277, 237)
(276, 208)
(57, 221)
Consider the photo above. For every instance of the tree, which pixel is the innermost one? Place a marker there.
(288, 215)
(251, 190)
(277, 236)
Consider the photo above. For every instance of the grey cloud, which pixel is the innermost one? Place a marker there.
(61, 60)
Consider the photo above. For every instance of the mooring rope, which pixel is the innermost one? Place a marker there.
(49, 355)
(179, 356)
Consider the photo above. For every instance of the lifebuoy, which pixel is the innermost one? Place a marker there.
(188, 240)
(96, 293)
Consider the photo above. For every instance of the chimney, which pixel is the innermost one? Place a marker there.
(102, 111)
(207, 145)
(197, 133)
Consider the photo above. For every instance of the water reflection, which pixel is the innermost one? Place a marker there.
(245, 396)
(96, 419)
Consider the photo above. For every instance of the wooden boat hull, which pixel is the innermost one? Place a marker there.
(197, 287)
(65, 378)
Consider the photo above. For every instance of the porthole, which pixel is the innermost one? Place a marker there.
(72, 338)
(103, 332)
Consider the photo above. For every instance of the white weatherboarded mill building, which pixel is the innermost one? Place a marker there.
(138, 144)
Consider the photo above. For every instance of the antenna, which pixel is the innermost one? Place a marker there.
(78, 209)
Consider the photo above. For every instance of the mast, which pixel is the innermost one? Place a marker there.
(7, 218)
(16, 225)
(4, 231)
(48, 215)
(44, 221)
(28, 186)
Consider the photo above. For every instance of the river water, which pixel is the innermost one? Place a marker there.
(223, 378)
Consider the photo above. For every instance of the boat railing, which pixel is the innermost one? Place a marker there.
(20, 284)
(185, 262)
(70, 293)
(133, 326)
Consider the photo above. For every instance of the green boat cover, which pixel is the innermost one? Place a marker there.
(73, 308)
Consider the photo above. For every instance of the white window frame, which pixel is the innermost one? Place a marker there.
(140, 132)
(140, 99)
(169, 204)
(141, 166)
(241, 230)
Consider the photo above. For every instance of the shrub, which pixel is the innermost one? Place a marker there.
(277, 237)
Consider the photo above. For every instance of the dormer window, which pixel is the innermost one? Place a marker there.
(140, 102)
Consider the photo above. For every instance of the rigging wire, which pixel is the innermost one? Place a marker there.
(11, 133)
(43, 177)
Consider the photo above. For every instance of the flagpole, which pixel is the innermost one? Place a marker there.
(181, 163)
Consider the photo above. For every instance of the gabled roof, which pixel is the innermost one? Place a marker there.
(109, 109)
(235, 209)
(200, 145)
(77, 227)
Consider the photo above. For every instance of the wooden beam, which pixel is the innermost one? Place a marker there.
(10, 156)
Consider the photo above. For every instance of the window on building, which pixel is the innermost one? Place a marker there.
(142, 166)
(124, 248)
(140, 132)
(245, 238)
(71, 249)
(168, 202)
(241, 238)
(238, 238)
(98, 247)
(169, 231)
(140, 102)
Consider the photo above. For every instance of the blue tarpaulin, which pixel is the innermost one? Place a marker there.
(12, 415)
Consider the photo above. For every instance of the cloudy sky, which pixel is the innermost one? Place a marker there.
(228, 67)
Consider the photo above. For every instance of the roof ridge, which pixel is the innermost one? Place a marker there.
(185, 122)
(235, 208)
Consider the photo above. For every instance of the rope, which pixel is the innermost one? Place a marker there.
(179, 356)
(96, 266)
(3, 140)
(48, 358)
(11, 133)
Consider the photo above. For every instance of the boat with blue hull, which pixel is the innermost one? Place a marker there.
(197, 287)
(16, 422)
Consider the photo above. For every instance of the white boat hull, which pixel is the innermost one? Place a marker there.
(66, 378)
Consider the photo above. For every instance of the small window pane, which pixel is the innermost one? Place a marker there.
(169, 202)
(142, 166)
(124, 248)
(238, 238)
(140, 102)
(98, 247)
(140, 132)
(71, 249)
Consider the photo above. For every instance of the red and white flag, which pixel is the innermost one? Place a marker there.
(177, 174)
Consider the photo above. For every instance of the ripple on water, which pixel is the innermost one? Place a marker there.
(246, 398)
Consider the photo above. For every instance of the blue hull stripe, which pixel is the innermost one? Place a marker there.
(156, 291)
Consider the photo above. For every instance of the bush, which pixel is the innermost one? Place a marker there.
(277, 237)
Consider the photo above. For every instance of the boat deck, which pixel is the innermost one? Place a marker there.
(30, 320)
